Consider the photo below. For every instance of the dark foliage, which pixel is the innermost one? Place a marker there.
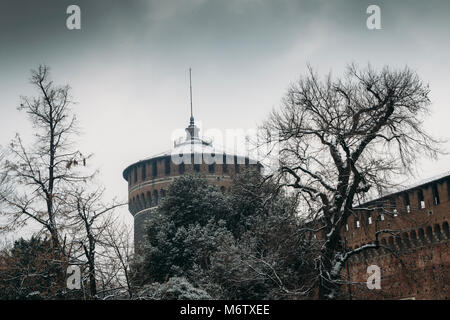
(31, 270)
(242, 245)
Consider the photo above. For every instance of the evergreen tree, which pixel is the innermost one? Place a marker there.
(30, 270)
(185, 230)
(241, 245)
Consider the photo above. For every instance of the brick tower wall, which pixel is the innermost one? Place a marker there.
(149, 180)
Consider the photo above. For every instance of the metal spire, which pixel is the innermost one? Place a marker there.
(190, 86)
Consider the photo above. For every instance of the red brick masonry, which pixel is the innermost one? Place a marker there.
(420, 218)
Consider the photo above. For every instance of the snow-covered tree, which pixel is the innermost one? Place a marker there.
(176, 288)
(343, 139)
(269, 258)
(184, 230)
(238, 245)
(30, 270)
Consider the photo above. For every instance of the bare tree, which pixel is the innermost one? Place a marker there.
(116, 255)
(4, 186)
(49, 184)
(41, 174)
(342, 140)
(90, 221)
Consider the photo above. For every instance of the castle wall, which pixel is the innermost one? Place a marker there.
(420, 239)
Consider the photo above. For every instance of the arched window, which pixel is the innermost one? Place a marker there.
(446, 229)
(437, 231)
(135, 204)
(406, 202)
(135, 174)
(435, 191)
(154, 168)
(143, 202)
(225, 165)
(181, 168)
(430, 233)
(149, 199)
(405, 238)
(212, 168)
(398, 240)
(236, 165)
(167, 166)
(356, 223)
(421, 199)
(138, 203)
(144, 172)
(163, 193)
(155, 197)
(413, 236)
(421, 234)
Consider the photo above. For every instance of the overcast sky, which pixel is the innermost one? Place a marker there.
(128, 65)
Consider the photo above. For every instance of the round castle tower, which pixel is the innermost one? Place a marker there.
(149, 179)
